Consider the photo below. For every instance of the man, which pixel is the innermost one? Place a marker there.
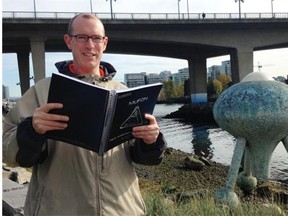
(69, 180)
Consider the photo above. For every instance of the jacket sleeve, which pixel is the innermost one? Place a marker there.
(30, 145)
(18, 135)
(144, 154)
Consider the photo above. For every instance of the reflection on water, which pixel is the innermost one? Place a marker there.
(210, 141)
(201, 142)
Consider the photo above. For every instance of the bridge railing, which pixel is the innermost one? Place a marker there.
(144, 16)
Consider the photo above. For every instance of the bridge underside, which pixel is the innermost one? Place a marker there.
(152, 48)
(195, 54)
(194, 41)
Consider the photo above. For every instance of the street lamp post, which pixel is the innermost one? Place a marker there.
(111, 8)
(272, 8)
(239, 7)
(30, 78)
(188, 8)
(34, 8)
(91, 6)
(178, 8)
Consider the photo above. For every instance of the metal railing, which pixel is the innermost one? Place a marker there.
(143, 16)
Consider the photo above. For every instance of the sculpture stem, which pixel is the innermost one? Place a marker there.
(235, 163)
(260, 155)
(247, 163)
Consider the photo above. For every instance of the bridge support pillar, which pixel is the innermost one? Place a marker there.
(234, 66)
(23, 66)
(245, 62)
(198, 80)
(38, 59)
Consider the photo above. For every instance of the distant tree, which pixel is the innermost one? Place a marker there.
(172, 90)
(210, 89)
(179, 90)
(225, 80)
(161, 95)
(168, 89)
(217, 87)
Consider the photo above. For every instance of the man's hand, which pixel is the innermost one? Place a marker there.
(148, 133)
(43, 121)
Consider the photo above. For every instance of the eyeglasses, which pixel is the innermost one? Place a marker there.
(84, 38)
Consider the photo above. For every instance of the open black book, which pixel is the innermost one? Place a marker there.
(99, 118)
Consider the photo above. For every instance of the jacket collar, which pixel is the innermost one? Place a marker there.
(109, 70)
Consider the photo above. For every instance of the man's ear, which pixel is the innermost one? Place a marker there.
(67, 40)
(105, 43)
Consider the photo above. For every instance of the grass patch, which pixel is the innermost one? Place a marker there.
(163, 201)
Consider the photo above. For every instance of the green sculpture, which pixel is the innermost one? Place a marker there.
(255, 111)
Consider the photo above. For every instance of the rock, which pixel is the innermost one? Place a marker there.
(13, 198)
(16, 174)
(200, 113)
(188, 195)
(169, 151)
(193, 163)
(205, 161)
(14, 189)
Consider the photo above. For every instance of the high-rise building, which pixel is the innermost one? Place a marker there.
(181, 76)
(153, 78)
(215, 70)
(135, 79)
(138, 79)
(226, 68)
(165, 75)
(5, 92)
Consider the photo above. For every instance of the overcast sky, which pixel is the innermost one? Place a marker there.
(274, 62)
(147, 6)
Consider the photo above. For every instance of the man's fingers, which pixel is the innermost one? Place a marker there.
(151, 119)
(43, 121)
(148, 133)
(54, 117)
(49, 106)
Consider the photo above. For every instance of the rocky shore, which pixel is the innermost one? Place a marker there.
(179, 173)
(201, 113)
(175, 176)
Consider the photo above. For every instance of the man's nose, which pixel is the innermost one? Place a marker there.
(90, 42)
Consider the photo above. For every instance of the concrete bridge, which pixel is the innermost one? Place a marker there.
(184, 36)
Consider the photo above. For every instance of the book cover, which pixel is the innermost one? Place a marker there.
(99, 118)
(130, 109)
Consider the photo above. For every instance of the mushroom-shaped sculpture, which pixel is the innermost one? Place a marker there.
(255, 111)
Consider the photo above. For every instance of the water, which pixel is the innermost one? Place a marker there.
(212, 141)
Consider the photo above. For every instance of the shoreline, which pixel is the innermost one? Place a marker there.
(201, 113)
(172, 173)
(172, 177)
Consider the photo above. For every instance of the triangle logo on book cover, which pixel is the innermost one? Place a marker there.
(134, 119)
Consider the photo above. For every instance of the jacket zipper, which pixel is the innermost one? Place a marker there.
(99, 167)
